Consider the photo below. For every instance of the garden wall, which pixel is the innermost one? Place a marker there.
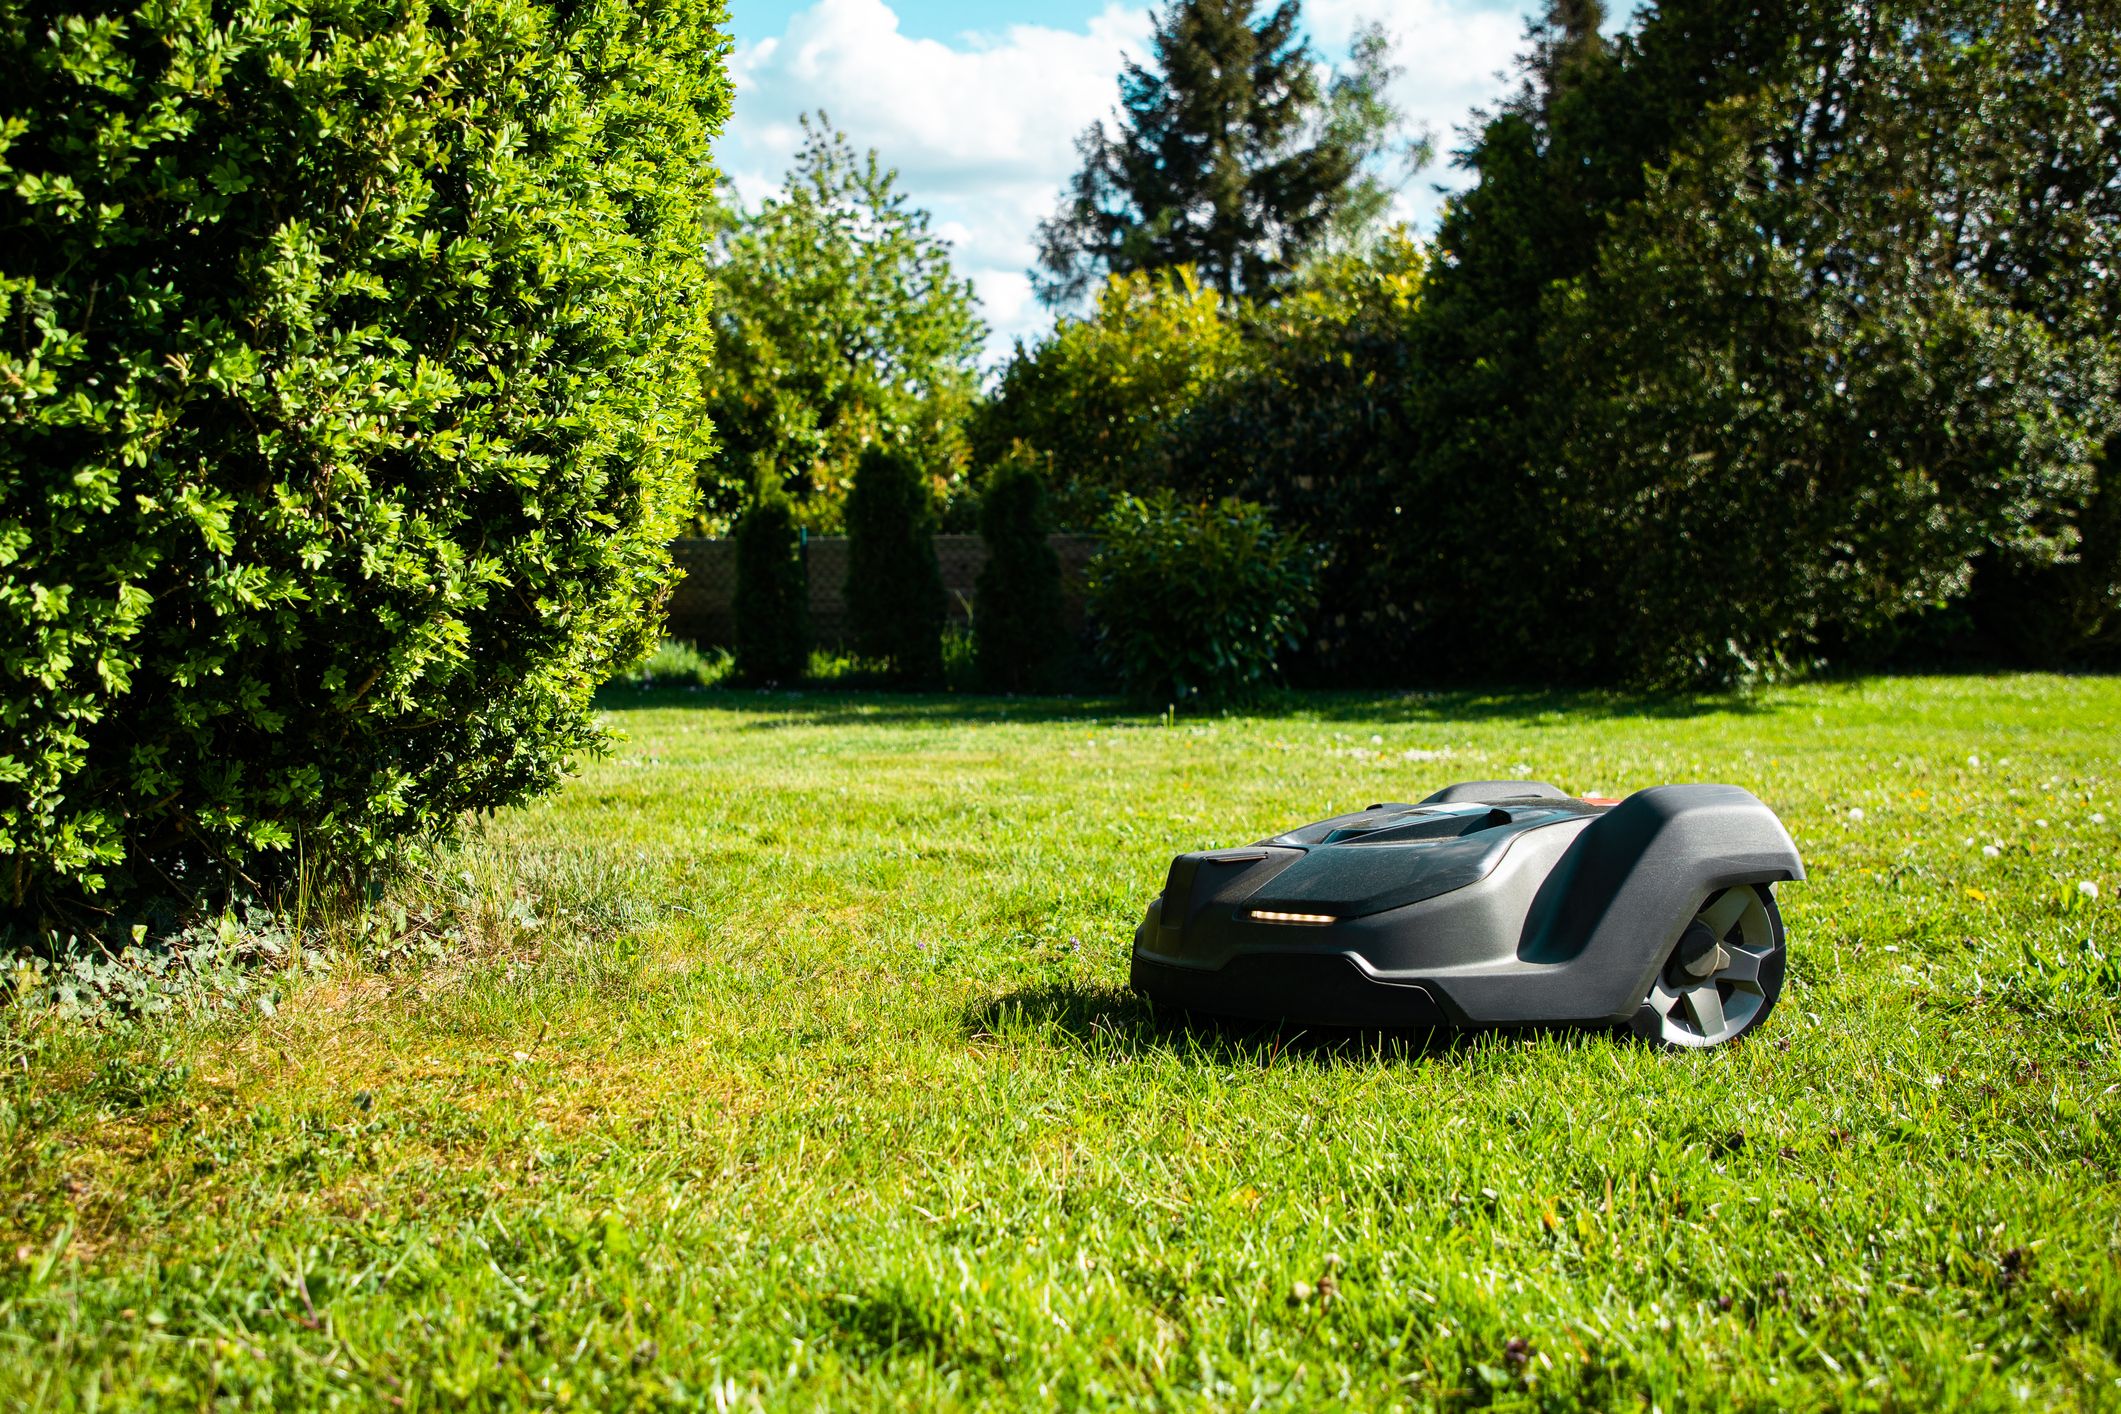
(701, 604)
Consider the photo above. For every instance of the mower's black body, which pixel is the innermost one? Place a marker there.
(1490, 903)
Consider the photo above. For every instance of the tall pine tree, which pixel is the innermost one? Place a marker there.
(1229, 155)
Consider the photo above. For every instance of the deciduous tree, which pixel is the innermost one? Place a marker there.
(841, 325)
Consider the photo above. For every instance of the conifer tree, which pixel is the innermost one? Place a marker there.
(1017, 625)
(1229, 155)
(895, 600)
(772, 590)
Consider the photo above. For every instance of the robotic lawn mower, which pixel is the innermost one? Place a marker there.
(1492, 903)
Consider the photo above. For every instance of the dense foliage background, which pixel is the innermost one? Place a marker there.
(352, 386)
(1767, 336)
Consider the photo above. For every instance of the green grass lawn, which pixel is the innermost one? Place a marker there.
(785, 1057)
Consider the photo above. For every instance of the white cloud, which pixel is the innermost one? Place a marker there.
(1452, 55)
(983, 132)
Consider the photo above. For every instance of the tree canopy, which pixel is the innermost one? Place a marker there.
(841, 325)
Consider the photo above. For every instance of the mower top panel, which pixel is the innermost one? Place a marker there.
(1393, 855)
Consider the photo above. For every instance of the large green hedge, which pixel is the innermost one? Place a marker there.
(350, 359)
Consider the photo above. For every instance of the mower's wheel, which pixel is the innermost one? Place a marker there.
(1723, 976)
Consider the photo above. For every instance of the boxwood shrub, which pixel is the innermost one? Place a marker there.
(1196, 604)
(350, 369)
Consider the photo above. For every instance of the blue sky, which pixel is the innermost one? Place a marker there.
(978, 104)
(929, 19)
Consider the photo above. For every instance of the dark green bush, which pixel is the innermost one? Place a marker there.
(1196, 603)
(1017, 619)
(2040, 610)
(895, 603)
(772, 592)
(350, 369)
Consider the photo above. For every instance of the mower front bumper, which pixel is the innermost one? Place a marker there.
(1299, 988)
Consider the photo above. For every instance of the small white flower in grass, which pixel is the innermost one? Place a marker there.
(2087, 888)
(2041, 823)
(1969, 841)
(1973, 761)
(1377, 740)
(1855, 812)
(1991, 851)
(2098, 817)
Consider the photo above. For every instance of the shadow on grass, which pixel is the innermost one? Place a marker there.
(1111, 1021)
(827, 707)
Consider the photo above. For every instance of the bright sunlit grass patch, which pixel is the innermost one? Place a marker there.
(793, 1060)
